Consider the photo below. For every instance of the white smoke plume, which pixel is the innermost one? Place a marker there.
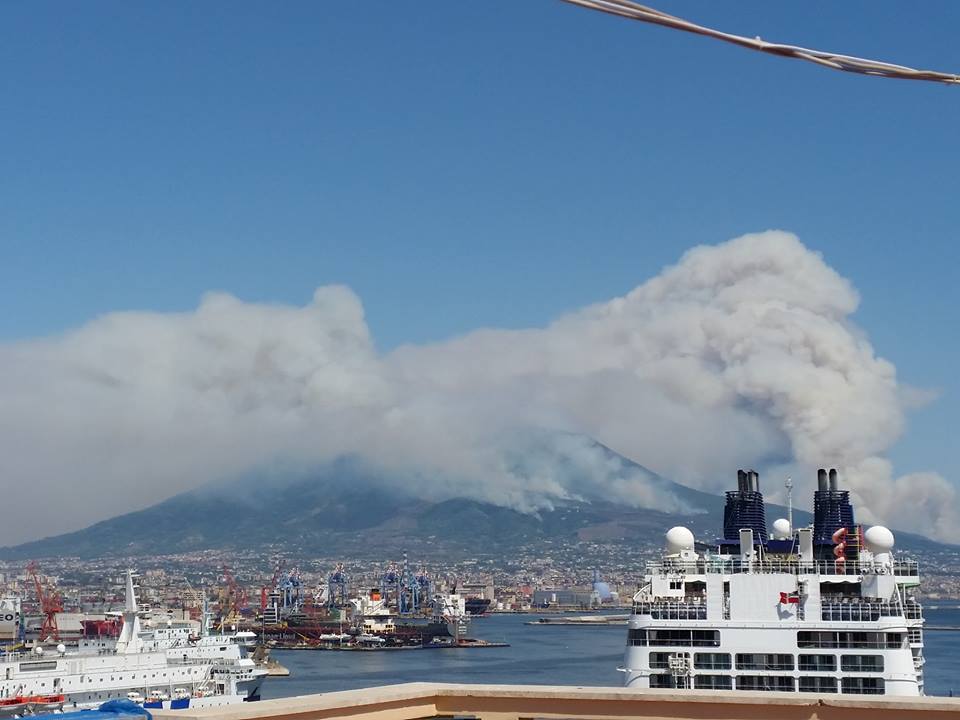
(742, 354)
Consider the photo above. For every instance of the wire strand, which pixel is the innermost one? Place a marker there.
(845, 63)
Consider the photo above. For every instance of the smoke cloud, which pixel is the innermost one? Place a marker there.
(741, 354)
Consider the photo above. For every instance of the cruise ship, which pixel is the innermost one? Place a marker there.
(820, 609)
(159, 669)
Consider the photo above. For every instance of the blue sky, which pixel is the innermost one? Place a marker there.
(471, 164)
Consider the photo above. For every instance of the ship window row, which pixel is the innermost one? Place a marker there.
(713, 682)
(861, 663)
(764, 662)
(674, 638)
(827, 639)
(862, 686)
(671, 610)
(701, 661)
(774, 683)
(660, 660)
(817, 663)
(774, 662)
(811, 639)
(711, 661)
(40, 665)
(818, 684)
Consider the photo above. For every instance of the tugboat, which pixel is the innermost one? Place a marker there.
(820, 609)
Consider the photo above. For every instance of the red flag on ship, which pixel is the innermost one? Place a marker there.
(793, 597)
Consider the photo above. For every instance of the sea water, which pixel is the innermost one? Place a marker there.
(538, 655)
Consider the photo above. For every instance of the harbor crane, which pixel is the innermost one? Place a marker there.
(50, 604)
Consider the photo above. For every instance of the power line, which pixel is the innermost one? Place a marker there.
(846, 63)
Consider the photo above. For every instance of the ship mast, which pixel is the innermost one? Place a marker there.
(789, 485)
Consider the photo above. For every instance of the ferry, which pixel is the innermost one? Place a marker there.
(822, 609)
(157, 670)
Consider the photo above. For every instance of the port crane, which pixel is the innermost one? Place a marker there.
(50, 604)
(236, 599)
(274, 582)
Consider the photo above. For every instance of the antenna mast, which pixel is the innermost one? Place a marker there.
(789, 485)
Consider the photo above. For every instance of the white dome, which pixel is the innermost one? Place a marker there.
(879, 539)
(781, 529)
(679, 538)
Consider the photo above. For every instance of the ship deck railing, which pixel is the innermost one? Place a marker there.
(734, 566)
(667, 610)
(863, 610)
(217, 662)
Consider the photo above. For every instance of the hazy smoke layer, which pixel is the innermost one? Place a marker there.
(740, 355)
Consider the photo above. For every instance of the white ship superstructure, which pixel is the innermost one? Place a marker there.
(823, 609)
(163, 671)
(451, 609)
(10, 620)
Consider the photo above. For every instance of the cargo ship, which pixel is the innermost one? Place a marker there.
(371, 621)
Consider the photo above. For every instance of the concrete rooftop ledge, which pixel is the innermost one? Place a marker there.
(519, 702)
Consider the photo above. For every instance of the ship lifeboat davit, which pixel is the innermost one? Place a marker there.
(840, 545)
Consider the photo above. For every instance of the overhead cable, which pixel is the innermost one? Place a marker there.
(846, 63)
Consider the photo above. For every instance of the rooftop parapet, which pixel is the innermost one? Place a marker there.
(414, 701)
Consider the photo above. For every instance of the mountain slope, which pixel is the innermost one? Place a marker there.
(345, 508)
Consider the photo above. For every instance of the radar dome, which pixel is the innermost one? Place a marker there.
(781, 529)
(879, 539)
(38, 650)
(61, 648)
(678, 539)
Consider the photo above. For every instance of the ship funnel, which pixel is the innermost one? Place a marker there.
(822, 480)
(831, 512)
(744, 509)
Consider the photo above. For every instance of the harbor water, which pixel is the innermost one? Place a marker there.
(538, 655)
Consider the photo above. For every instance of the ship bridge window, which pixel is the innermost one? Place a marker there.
(861, 663)
(774, 683)
(862, 686)
(764, 662)
(818, 683)
(39, 665)
(817, 663)
(711, 661)
(674, 638)
(713, 682)
(676, 584)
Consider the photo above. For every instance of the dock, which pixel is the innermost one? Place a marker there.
(581, 620)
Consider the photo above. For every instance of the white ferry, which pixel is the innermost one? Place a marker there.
(823, 609)
(160, 672)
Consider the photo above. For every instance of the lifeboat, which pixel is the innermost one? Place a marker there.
(30, 704)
